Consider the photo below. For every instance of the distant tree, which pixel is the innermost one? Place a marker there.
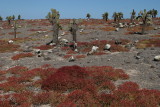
(1, 18)
(105, 16)
(9, 18)
(88, 16)
(19, 17)
(53, 18)
(117, 17)
(73, 29)
(133, 16)
(146, 19)
(13, 17)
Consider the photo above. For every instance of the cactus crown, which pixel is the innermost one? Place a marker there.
(53, 16)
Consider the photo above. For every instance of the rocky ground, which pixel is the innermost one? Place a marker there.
(141, 68)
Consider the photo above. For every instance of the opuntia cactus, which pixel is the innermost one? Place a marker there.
(133, 15)
(88, 16)
(53, 17)
(146, 19)
(19, 17)
(15, 29)
(117, 17)
(1, 19)
(73, 29)
(9, 18)
(105, 16)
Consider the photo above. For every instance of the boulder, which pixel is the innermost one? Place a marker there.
(157, 58)
(117, 29)
(10, 41)
(121, 25)
(71, 59)
(63, 33)
(107, 47)
(94, 48)
(64, 41)
(155, 28)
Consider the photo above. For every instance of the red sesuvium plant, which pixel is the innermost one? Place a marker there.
(5, 47)
(80, 56)
(22, 55)
(148, 43)
(74, 86)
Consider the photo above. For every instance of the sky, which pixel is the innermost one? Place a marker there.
(38, 9)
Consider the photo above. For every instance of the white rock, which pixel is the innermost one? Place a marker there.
(155, 28)
(37, 50)
(59, 38)
(10, 41)
(140, 23)
(49, 50)
(52, 44)
(39, 31)
(76, 50)
(1, 28)
(157, 58)
(46, 36)
(63, 33)
(121, 25)
(94, 48)
(71, 59)
(117, 29)
(81, 30)
(64, 41)
(107, 47)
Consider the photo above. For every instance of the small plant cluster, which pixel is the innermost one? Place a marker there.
(22, 55)
(5, 47)
(80, 86)
(148, 43)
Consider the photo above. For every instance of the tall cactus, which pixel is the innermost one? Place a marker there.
(53, 18)
(146, 19)
(19, 17)
(73, 29)
(13, 17)
(133, 15)
(15, 28)
(9, 18)
(117, 17)
(88, 16)
(1, 18)
(153, 12)
(105, 16)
